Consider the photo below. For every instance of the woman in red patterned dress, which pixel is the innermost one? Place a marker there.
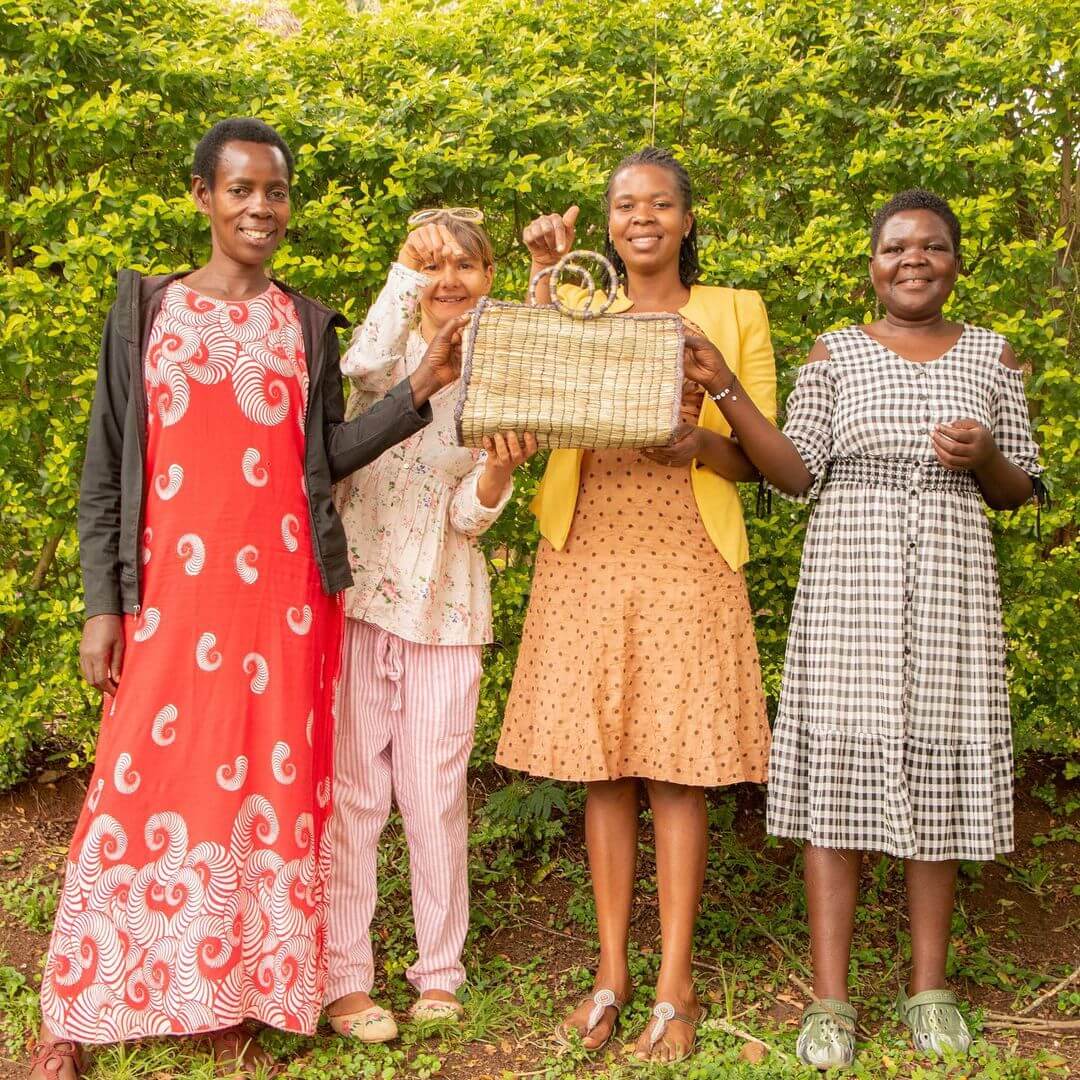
(212, 558)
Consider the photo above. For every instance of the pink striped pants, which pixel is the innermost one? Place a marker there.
(405, 720)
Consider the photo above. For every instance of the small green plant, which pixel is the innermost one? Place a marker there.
(32, 899)
(19, 1012)
(1034, 877)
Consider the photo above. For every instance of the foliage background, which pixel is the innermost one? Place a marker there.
(795, 120)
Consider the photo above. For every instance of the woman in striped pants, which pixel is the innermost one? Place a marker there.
(418, 617)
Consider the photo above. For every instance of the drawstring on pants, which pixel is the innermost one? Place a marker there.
(388, 664)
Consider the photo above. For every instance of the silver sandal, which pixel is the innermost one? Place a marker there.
(664, 1012)
(602, 999)
(827, 1035)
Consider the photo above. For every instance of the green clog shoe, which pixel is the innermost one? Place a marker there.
(935, 1021)
(827, 1035)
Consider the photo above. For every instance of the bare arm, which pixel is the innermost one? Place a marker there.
(1004, 486)
(718, 452)
(770, 451)
(725, 457)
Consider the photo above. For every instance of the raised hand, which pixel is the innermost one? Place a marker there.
(963, 444)
(550, 237)
(427, 246)
(101, 652)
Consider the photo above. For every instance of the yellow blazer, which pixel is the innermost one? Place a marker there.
(734, 320)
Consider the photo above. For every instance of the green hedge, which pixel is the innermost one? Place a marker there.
(795, 120)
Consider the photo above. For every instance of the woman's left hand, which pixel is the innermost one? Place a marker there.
(684, 447)
(963, 444)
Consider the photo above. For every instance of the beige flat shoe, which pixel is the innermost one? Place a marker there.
(374, 1025)
(436, 1009)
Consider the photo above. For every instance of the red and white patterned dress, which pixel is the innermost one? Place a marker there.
(194, 894)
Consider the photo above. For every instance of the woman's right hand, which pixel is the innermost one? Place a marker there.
(705, 364)
(101, 652)
(429, 245)
(441, 364)
(550, 237)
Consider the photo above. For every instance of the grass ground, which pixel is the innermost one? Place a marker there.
(1016, 934)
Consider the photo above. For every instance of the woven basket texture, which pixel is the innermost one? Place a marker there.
(613, 381)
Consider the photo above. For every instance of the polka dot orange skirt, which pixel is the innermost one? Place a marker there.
(638, 656)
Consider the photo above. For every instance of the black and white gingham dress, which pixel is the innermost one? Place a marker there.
(893, 732)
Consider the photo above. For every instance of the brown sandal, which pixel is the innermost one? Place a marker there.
(49, 1057)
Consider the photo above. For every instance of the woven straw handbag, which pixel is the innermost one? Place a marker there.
(573, 377)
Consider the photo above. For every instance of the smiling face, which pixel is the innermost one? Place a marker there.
(248, 202)
(647, 220)
(914, 268)
(456, 286)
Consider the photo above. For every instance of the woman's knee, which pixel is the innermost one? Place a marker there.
(665, 793)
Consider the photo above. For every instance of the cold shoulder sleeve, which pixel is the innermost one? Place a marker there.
(809, 423)
(1012, 425)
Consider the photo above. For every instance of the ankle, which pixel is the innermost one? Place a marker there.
(919, 983)
(615, 978)
(435, 994)
(675, 979)
(679, 994)
(350, 1003)
(831, 989)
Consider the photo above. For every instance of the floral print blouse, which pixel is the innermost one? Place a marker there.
(412, 517)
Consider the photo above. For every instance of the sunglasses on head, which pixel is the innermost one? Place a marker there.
(461, 213)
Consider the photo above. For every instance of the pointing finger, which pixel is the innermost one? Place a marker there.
(560, 233)
(450, 242)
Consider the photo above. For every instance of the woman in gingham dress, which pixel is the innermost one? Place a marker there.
(893, 731)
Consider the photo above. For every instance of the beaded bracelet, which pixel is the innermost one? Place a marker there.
(729, 389)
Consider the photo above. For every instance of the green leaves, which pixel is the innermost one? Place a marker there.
(795, 121)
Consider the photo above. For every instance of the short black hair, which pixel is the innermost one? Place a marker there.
(235, 129)
(915, 199)
(689, 267)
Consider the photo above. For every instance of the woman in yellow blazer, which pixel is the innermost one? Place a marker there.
(638, 667)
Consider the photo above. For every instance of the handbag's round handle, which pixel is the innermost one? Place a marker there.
(571, 262)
